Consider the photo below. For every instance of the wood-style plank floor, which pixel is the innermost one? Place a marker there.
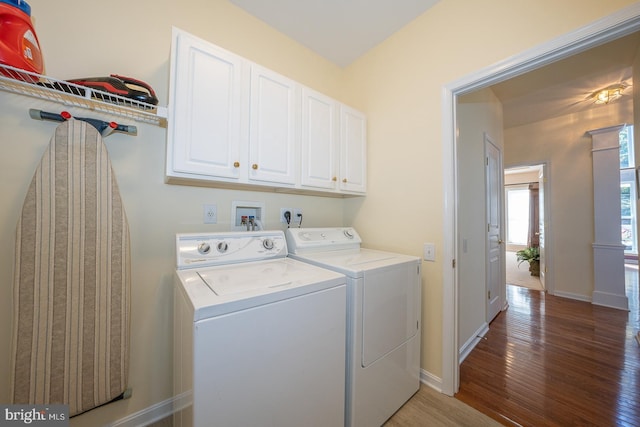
(430, 408)
(552, 361)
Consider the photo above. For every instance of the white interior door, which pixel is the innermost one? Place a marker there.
(493, 177)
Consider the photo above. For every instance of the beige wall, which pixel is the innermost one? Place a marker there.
(133, 38)
(398, 84)
(564, 144)
(521, 178)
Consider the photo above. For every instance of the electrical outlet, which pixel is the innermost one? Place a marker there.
(297, 216)
(283, 217)
(210, 213)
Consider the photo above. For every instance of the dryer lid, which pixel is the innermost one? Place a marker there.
(309, 240)
(356, 262)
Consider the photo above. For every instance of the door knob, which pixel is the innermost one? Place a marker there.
(254, 166)
(500, 241)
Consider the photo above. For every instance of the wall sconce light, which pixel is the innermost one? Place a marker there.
(608, 94)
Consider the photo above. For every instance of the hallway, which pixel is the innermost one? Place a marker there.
(551, 361)
(518, 274)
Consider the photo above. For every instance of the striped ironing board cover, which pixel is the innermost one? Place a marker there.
(72, 277)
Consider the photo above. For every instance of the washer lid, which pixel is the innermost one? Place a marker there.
(222, 289)
(244, 278)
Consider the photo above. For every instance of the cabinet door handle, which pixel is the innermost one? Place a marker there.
(254, 166)
(236, 164)
(334, 179)
(344, 180)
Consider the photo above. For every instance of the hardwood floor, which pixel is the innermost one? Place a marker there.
(551, 361)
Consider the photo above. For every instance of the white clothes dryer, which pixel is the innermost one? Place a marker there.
(259, 338)
(383, 319)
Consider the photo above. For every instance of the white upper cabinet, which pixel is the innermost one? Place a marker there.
(272, 132)
(319, 141)
(353, 150)
(206, 103)
(235, 122)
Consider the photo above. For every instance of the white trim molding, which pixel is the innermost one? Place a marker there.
(571, 295)
(473, 342)
(155, 412)
(427, 378)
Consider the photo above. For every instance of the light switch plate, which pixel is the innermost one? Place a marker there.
(429, 252)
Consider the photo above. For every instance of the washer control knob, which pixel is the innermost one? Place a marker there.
(204, 248)
(349, 233)
(222, 247)
(268, 244)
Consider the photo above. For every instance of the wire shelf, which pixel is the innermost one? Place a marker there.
(35, 85)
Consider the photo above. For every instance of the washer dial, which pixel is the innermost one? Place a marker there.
(268, 244)
(204, 248)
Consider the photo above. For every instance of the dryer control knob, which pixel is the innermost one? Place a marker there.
(268, 244)
(223, 246)
(348, 233)
(204, 248)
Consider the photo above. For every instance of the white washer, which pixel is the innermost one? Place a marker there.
(259, 338)
(383, 319)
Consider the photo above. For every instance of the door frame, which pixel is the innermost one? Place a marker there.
(549, 285)
(616, 25)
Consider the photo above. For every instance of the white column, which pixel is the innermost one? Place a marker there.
(608, 250)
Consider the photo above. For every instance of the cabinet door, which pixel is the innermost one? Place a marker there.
(206, 102)
(319, 141)
(272, 131)
(353, 151)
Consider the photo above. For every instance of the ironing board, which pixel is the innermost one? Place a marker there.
(71, 278)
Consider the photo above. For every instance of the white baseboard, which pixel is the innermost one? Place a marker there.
(155, 412)
(570, 295)
(606, 299)
(472, 342)
(427, 378)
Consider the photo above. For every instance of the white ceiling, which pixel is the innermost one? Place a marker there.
(343, 30)
(566, 86)
(339, 30)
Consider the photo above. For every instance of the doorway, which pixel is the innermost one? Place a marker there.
(614, 26)
(525, 208)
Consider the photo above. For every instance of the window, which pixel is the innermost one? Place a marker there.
(628, 191)
(517, 215)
